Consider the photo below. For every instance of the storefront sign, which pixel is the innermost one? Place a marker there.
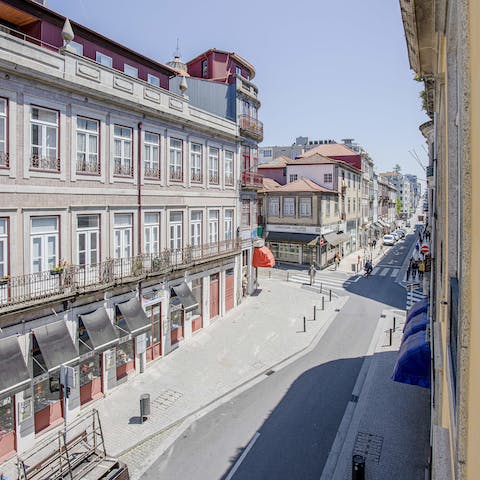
(307, 229)
(25, 410)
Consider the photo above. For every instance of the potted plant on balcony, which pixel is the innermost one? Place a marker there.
(4, 280)
(59, 268)
(137, 267)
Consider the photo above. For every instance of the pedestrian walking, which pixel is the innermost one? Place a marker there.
(374, 243)
(311, 273)
(337, 260)
(409, 270)
(417, 247)
(414, 269)
(421, 269)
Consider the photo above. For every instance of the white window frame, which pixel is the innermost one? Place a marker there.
(293, 177)
(130, 70)
(196, 151)
(4, 270)
(78, 47)
(151, 155)
(229, 167)
(274, 206)
(122, 151)
(327, 178)
(122, 236)
(92, 242)
(176, 230)
(151, 233)
(175, 159)
(3, 132)
(103, 59)
(153, 80)
(305, 206)
(196, 228)
(228, 224)
(213, 156)
(213, 218)
(89, 159)
(46, 157)
(46, 260)
(289, 207)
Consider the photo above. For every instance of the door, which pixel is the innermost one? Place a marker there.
(90, 379)
(229, 289)
(154, 336)
(7, 427)
(47, 402)
(214, 296)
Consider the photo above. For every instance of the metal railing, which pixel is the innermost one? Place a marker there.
(251, 126)
(87, 166)
(4, 160)
(213, 178)
(196, 176)
(229, 179)
(151, 172)
(123, 170)
(175, 174)
(250, 179)
(44, 164)
(74, 279)
(27, 38)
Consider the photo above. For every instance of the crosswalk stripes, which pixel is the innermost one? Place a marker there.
(414, 297)
(326, 281)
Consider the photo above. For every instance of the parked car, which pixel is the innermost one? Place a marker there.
(388, 240)
(408, 224)
(396, 236)
(400, 233)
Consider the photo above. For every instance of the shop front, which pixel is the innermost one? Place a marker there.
(152, 305)
(14, 377)
(288, 247)
(214, 296)
(197, 314)
(96, 334)
(336, 242)
(130, 321)
(182, 301)
(229, 289)
(52, 347)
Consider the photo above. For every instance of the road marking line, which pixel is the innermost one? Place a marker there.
(384, 272)
(394, 272)
(242, 456)
(375, 271)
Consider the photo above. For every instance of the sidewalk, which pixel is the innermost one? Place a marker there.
(351, 259)
(386, 422)
(231, 354)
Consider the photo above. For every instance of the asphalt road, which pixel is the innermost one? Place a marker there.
(283, 427)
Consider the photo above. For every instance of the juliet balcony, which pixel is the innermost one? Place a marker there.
(251, 127)
(252, 180)
(28, 290)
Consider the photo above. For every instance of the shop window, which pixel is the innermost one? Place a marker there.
(197, 291)
(47, 392)
(6, 416)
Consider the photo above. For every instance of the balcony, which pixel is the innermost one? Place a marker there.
(151, 172)
(196, 176)
(175, 174)
(252, 180)
(251, 127)
(36, 288)
(88, 167)
(229, 179)
(4, 160)
(213, 178)
(123, 170)
(44, 164)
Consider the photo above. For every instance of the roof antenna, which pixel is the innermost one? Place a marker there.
(177, 50)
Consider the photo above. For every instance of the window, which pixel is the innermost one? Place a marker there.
(197, 291)
(213, 165)
(204, 68)
(246, 157)
(246, 212)
(213, 226)
(293, 177)
(176, 160)
(354, 206)
(335, 206)
(129, 70)
(78, 47)
(44, 139)
(3, 247)
(196, 162)
(88, 239)
(122, 153)
(267, 153)
(228, 167)
(348, 205)
(196, 228)
(154, 80)
(151, 153)
(305, 207)
(274, 206)
(327, 207)
(151, 237)
(122, 234)
(104, 59)
(238, 70)
(228, 225)
(44, 243)
(348, 179)
(288, 207)
(176, 222)
(87, 146)
(327, 177)
(3, 134)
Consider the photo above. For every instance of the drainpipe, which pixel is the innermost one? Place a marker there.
(139, 186)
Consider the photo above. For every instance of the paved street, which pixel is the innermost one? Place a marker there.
(284, 426)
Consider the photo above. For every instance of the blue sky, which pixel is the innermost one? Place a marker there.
(325, 69)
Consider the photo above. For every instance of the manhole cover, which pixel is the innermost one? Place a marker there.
(166, 399)
(368, 445)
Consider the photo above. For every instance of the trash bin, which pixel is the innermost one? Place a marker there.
(144, 406)
(358, 467)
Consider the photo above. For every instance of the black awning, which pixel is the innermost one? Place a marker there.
(291, 237)
(135, 317)
(56, 345)
(185, 295)
(100, 329)
(335, 239)
(14, 375)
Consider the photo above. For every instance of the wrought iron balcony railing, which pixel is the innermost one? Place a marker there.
(196, 176)
(152, 172)
(213, 178)
(85, 166)
(45, 164)
(4, 160)
(123, 169)
(75, 279)
(229, 179)
(251, 127)
(250, 179)
(176, 174)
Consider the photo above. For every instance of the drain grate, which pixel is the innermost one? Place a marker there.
(354, 398)
(166, 399)
(368, 445)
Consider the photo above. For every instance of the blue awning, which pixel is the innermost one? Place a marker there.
(413, 362)
(415, 324)
(418, 307)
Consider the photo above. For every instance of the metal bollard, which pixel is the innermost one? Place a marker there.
(321, 287)
(314, 312)
(330, 299)
(358, 467)
(390, 336)
(304, 324)
(144, 406)
(323, 302)
(394, 322)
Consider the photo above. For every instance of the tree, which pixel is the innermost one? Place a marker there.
(399, 206)
(397, 168)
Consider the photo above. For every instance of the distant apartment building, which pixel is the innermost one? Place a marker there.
(408, 191)
(120, 225)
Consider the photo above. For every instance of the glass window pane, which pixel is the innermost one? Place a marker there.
(87, 221)
(44, 224)
(151, 218)
(123, 219)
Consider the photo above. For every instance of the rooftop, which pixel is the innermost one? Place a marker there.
(330, 150)
(301, 185)
(279, 162)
